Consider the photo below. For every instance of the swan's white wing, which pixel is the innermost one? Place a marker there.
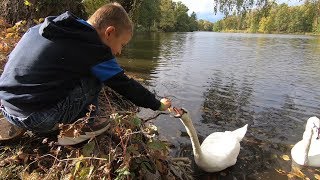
(220, 144)
(240, 133)
(220, 151)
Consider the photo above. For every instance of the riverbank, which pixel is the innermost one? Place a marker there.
(131, 149)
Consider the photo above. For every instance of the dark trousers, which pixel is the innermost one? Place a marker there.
(74, 106)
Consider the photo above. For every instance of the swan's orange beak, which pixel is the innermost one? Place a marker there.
(178, 112)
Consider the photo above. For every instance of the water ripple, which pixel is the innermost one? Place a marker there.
(271, 82)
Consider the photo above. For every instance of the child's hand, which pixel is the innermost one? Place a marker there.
(165, 104)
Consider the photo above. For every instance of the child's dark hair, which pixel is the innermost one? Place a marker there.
(112, 14)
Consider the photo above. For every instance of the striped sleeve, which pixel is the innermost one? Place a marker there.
(106, 69)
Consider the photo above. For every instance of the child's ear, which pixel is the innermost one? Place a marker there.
(109, 30)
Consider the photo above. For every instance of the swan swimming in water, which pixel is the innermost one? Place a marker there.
(218, 151)
(307, 151)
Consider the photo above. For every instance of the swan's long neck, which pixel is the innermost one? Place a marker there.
(307, 139)
(187, 122)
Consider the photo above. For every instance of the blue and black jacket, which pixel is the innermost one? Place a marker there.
(51, 57)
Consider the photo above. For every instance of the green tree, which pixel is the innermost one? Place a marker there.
(263, 25)
(254, 20)
(205, 25)
(296, 22)
(238, 6)
(193, 22)
(167, 15)
(266, 24)
(282, 18)
(231, 22)
(92, 5)
(148, 14)
(131, 6)
(16, 10)
(316, 20)
(182, 18)
(275, 18)
(218, 26)
(309, 14)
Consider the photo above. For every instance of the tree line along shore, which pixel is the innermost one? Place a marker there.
(170, 16)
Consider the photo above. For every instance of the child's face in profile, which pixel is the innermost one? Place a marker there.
(117, 40)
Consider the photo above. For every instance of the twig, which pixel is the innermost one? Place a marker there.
(183, 159)
(146, 120)
(54, 162)
(106, 97)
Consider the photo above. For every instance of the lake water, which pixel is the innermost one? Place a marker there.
(226, 80)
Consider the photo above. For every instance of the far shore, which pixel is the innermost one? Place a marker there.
(283, 33)
(235, 31)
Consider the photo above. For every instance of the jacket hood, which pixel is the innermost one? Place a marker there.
(68, 26)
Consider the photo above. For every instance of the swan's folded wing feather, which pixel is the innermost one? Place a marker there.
(221, 152)
(220, 145)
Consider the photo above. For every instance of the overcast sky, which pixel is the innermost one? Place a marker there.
(204, 8)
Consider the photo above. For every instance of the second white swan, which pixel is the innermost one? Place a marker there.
(307, 151)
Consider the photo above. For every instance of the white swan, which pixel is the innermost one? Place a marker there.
(307, 151)
(218, 151)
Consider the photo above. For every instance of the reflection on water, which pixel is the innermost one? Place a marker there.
(270, 82)
(143, 54)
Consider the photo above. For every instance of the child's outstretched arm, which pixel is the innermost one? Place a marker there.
(111, 74)
(135, 92)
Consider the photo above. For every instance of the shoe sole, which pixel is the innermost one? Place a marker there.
(67, 141)
(6, 127)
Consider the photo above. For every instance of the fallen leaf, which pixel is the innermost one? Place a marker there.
(45, 140)
(76, 167)
(286, 157)
(9, 35)
(280, 171)
(88, 149)
(317, 176)
(156, 145)
(297, 172)
(160, 167)
(290, 176)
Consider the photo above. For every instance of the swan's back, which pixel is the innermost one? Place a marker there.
(221, 149)
(221, 145)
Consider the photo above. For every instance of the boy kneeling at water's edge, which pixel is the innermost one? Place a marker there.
(58, 68)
